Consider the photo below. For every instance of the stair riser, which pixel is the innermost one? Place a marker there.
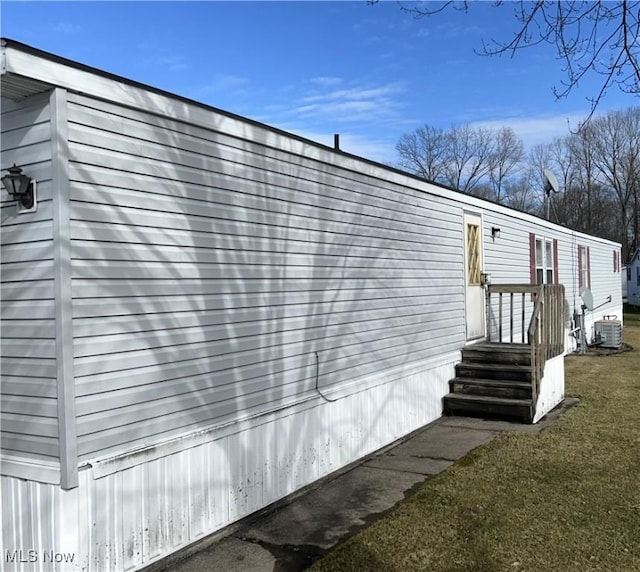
(454, 407)
(475, 389)
(474, 356)
(478, 371)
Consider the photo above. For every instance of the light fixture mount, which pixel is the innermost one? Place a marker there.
(19, 186)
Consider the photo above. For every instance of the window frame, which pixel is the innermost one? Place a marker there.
(584, 266)
(544, 266)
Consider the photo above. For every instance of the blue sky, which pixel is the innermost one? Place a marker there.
(368, 72)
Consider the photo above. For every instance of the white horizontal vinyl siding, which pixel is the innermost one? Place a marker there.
(604, 281)
(507, 258)
(633, 284)
(27, 310)
(215, 278)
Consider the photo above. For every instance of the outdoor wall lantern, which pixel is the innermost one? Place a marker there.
(495, 232)
(20, 187)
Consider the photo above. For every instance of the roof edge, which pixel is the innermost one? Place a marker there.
(470, 199)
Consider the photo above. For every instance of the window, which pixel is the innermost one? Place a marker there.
(544, 260)
(584, 266)
(548, 261)
(638, 276)
(539, 262)
(474, 260)
(628, 273)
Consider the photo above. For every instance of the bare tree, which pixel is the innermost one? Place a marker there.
(540, 158)
(584, 203)
(474, 160)
(423, 152)
(469, 153)
(561, 165)
(568, 211)
(505, 160)
(520, 194)
(589, 37)
(617, 157)
(584, 176)
(598, 168)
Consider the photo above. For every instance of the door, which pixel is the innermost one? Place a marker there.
(474, 292)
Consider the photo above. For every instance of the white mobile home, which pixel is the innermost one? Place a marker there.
(631, 280)
(202, 314)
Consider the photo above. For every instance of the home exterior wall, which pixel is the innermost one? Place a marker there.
(508, 260)
(215, 278)
(29, 429)
(129, 512)
(633, 282)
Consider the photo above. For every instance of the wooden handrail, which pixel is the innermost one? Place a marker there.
(515, 288)
(545, 330)
(535, 339)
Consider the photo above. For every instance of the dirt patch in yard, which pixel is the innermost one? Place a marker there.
(599, 351)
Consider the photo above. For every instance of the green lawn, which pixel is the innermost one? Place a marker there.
(567, 499)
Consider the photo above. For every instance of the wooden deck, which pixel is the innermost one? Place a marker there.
(501, 377)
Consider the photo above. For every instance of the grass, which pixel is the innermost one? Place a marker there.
(567, 499)
(632, 316)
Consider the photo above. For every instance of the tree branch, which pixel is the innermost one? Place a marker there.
(590, 37)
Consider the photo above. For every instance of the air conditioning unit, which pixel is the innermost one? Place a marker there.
(608, 333)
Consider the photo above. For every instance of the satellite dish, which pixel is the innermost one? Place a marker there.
(587, 298)
(551, 183)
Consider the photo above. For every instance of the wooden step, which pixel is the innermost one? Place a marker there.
(515, 354)
(487, 406)
(491, 387)
(499, 345)
(494, 371)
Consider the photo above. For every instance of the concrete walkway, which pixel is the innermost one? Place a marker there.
(294, 535)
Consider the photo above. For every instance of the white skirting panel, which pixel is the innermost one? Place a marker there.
(551, 391)
(131, 517)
